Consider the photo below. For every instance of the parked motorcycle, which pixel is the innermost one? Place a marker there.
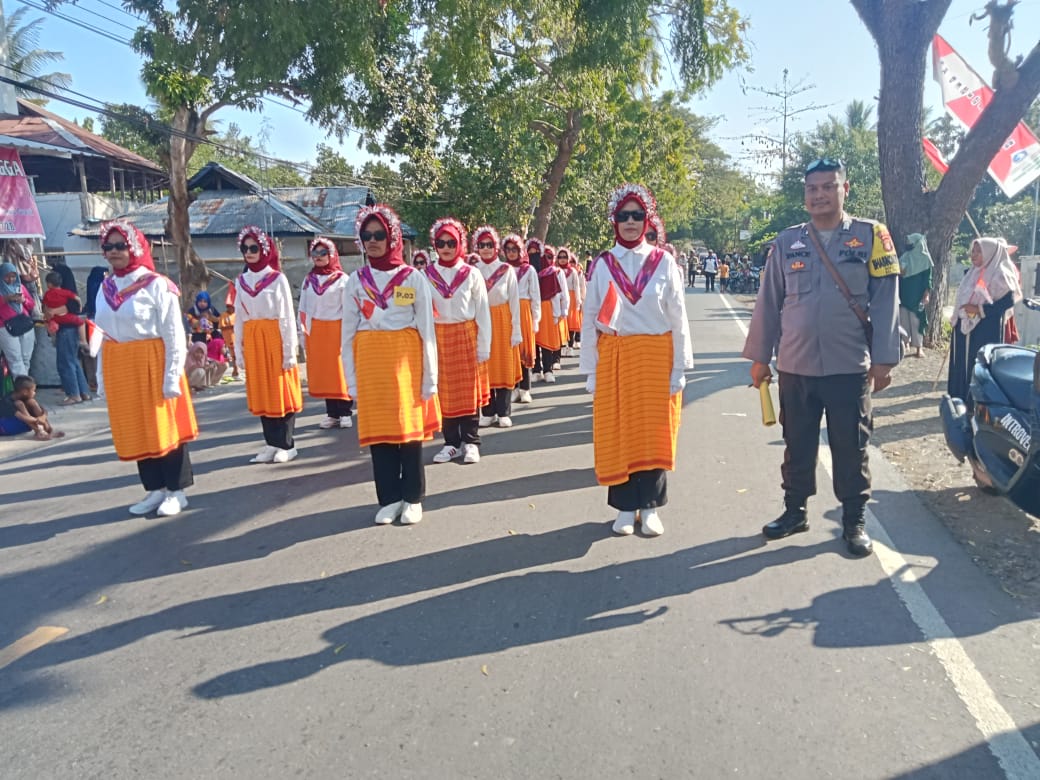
(1000, 434)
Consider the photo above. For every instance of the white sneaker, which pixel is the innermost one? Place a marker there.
(515, 396)
(525, 396)
(652, 525)
(346, 422)
(556, 367)
(471, 453)
(550, 378)
(446, 454)
(169, 507)
(625, 525)
(266, 455)
(181, 498)
(412, 514)
(284, 456)
(329, 422)
(485, 422)
(386, 514)
(537, 377)
(505, 422)
(149, 504)
(565, 352)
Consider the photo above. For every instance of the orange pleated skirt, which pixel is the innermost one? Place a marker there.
(548, 336)
(635, 416)
(391, 410)
(504, 365)
(270, 390)
(527, 329)
(463, 386)
(574, 314)
(144, 424)
(325, 362)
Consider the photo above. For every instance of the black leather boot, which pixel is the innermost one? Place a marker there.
(792, 521)
(855, 532)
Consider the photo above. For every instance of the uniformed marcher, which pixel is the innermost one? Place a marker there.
(829, 359)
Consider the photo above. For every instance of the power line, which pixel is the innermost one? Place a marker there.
(77, 22)
(120, 9)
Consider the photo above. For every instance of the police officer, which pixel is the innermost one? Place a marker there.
(825, 360)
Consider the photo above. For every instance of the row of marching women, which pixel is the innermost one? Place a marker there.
(448, 346)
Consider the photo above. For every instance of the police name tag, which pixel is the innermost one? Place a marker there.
(404, 296)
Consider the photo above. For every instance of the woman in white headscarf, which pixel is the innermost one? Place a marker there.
(983, 307)
(915, 290)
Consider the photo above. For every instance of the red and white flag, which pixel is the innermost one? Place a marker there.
(610, 309)
(935, 157)
(966, 96)
(94, 338)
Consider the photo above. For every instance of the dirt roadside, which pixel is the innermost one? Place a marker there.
(1002, 539)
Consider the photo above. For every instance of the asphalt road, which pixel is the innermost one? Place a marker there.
(272, 630)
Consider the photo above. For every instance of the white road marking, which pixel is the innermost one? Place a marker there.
(1006, 742)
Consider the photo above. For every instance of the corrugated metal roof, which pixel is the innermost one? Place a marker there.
(334, 207)
(37, 124)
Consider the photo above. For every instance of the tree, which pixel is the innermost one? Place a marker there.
(239, 153)
(136, 129)
(330, 169)
(903, 31)
(27, 61)
(204, 55)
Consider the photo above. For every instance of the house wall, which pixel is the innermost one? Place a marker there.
(1027, 320)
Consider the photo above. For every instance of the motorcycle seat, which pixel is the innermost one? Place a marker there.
(1012, 368)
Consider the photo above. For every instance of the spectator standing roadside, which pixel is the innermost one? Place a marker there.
(69, 339)
(915, 290)
(724, 275)
(828, 359)
(18, 309)
(711, 267)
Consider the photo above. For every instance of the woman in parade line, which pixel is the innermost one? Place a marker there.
(981, 312)
(141, 370)
(503, 295)
(265, 344)
(420, 259)
(463, 324)
(321, 315)
(567, 263)
(18, 307)
(390, 362)
(635, 349)
(530, 310)
(552, 289)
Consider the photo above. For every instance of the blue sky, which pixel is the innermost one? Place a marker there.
(823, 43)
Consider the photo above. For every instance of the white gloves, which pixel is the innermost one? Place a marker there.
(288, 365)
(678, 381)
(590, 383)
(428, 391)
(483, 357)
(171, 387)
(516, 342)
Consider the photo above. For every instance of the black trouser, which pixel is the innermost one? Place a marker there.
(709, 282)
(338, 407)
(501, 403)
(845, 398)
(398, 472)
(574, 338)
(545, 359)
(461, 430)
(172, 471)
(278, 431)
(643, 490)
(525, 378)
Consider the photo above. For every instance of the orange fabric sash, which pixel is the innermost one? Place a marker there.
(504, 365)
(270, 391)
(462, 386)
(324, 361)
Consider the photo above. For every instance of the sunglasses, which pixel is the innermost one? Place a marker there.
(485, 245)
(375, 235)
(119, 246)
(250, 249)
(512, 250)
(651, 236)
(624, 216)
(320, 252)
(441, 243)
(825, 164)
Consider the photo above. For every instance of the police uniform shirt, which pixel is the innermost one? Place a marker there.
(801, 314)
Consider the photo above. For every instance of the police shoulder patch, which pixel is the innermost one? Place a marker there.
(883, 260)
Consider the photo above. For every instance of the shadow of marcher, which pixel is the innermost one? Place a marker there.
(978, 760)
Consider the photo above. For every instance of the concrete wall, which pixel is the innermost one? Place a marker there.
(1028, 321)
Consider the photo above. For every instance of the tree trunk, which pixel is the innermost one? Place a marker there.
(194, 275)
(565, 144)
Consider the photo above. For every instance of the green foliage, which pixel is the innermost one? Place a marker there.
(27, 61)
(134, 128)
(330, 169)
(241, 154)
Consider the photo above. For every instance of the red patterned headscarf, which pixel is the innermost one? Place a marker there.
(451, 228)
(630, 195)
(268, 257)
(485, 233)
(391, 223)
(137, 245)
(333, 265)
(521, 257)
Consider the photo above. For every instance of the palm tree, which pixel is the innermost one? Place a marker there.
(858, 116)
(27, 61)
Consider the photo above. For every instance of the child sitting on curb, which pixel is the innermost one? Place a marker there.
(20, 412)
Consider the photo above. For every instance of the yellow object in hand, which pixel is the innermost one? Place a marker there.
(768, 413)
